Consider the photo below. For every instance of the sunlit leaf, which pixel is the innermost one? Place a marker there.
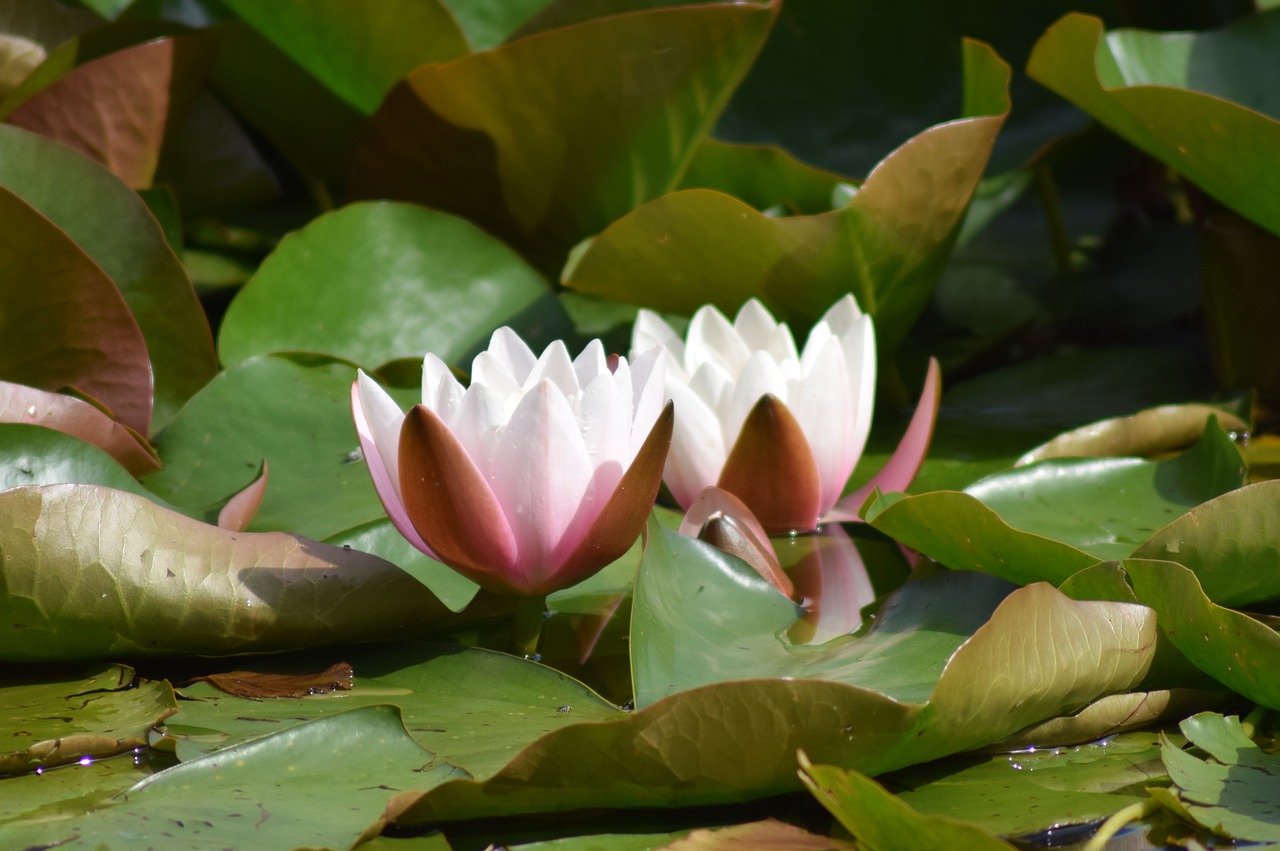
(482, 136)
(92, 572)
(358, 50)
(49, 721)
(488, 23)
(766, 177)
(882, 822)
(886, 246)
(769, 835)
(1051, 786)
(399, 281)
(1237, 794)
(73, 330)
(1193, 100)
(1050, 519)
(279, 791)
(114, 228)
(1149, 432)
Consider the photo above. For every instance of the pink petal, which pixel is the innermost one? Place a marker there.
(834, 584)
(238, 513)
(823, 405)
(378, 419)
(742, 536)
(901, 468)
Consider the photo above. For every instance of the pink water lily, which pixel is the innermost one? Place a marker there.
(780, 429)
(535, 476)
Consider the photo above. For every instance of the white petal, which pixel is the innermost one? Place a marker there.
(513, 353)
(478, 425)
(605, 416)
(712, 339)
(822, 404)
(652, 331)
(648, 394)
(760, 376)
(555, 366)
(698, 449)
(754, 324)
(540, 475)
(494, 372)
(859, 344)
(590, 363)
(441, 392)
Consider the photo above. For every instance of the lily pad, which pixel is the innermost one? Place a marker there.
(882, 822)
(33, 455)
(49, 721)
(1047, 520)
(1194, 101)
(112, 225)
(294, 413)
(1237, 794)
(481, 136)
(1036, 788)
(280, 790)
(399, 281)
(91, 572)
(887, 245)
(357, 51)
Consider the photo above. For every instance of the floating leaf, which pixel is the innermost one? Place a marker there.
(33, 455)
(72, 331)
(886, 246)
(92, 572)
(1192, 100)
(357, 50)
(55, 411)
(1237, 795)
(1050, 519)
(47, 722)
(481, 136)
(278, 791)
(1149, 432)
(882, 822)
(256, 684)
(1050, 786)
(117, 109)
(114, 227)
(399, 281)
(297, 416)
(382, 539)
(766, 177)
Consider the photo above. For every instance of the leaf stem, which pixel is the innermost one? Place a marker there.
(1118, 820)
(526, 627)
(1253, 721)
(1051, 202)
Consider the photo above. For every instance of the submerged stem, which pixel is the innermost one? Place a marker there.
(526, 628)
(1118, 820)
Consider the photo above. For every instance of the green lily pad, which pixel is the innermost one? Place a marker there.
(887, 245)
(1036, 788)
(280, 790)
(1231, 543)
(49, 721)
(33, 455)
(399, 281)
(1237, 794)
(481, 136)
(882, 822)
(1233, 648)
(766, 177)
(474, 708)
(296, 415)
(73, 790)
(1053, 518)
(382, 539)
(114, 227)
(488, 23)
(1194, 101)
(357, 51)
(686, 749)
(93, 572)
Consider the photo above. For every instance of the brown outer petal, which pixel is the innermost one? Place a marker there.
(450, 504)
(772, 470)
(623, 517)
(727, 534)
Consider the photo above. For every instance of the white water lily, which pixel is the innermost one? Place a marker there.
(535, 476)
(781, 429)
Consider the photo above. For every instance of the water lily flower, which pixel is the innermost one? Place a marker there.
(780, 429)
(535, 476)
